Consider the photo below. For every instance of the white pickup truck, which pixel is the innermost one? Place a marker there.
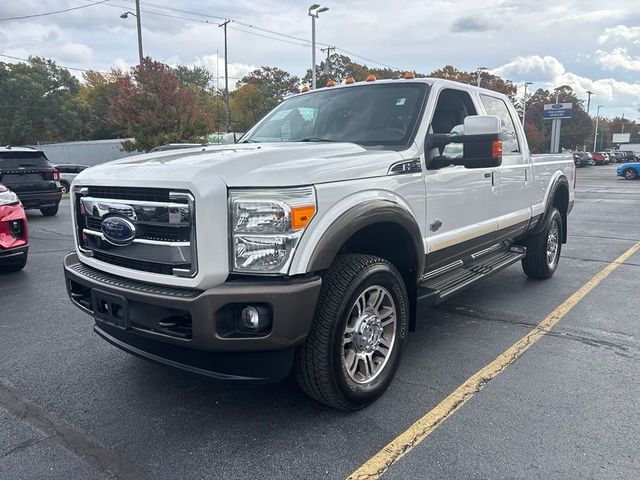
(306, 246)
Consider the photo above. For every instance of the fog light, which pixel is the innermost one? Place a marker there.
(250, 318)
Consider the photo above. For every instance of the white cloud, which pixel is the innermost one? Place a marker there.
(74, 53)
(533, 68)
(620, 34)
(215, 64)
(618, 58)
(548, 72)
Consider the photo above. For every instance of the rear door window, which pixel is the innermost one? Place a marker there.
(497, 106)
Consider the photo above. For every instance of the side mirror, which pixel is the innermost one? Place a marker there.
(481, 143)
(229, 138)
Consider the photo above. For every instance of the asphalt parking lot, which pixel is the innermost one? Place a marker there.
(72, 406)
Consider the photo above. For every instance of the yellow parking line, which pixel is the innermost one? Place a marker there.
(378, 464)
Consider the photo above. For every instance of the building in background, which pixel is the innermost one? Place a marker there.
(92, 152)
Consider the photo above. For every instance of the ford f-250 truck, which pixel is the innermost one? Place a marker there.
(306, 246)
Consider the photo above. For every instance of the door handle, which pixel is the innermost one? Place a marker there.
(487, 175)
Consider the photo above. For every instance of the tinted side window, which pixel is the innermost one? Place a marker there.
(497, 106)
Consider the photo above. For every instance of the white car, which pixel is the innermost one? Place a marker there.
(68, 172)
(308, 245)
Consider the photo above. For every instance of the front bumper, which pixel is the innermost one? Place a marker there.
(40, 199)
(203, 350)
(13, 255)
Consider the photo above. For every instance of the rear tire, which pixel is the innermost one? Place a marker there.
(64, 187)
(630, 174)
(543, 250)
(354, 347)
(50, 211)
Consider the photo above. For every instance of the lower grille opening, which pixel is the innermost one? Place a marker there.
(141, 316)
(143, 265)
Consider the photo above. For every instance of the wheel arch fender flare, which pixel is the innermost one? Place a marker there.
(558, 182)
(348, 221)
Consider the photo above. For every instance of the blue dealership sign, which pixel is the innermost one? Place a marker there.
(557, 110)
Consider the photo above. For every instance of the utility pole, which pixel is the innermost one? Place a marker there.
(326, 63)
(595, 135)
(226, 77)
(139, 27)
(589, 93)
(524, 102)
(138, 22)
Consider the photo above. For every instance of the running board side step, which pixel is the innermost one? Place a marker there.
(435, 289)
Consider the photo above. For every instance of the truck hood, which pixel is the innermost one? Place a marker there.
(248, 165)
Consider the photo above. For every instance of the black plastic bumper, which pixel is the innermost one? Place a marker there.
(40, 199)
(13, 255)
(200, 348)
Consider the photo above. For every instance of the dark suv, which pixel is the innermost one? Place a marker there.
(28, 173)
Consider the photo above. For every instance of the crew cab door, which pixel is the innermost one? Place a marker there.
(514, 176)
(461, 202)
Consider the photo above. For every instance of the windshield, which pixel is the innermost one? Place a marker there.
(384, 114)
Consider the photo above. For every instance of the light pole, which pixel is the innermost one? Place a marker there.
(595, 135)
(589, 93)
(479, 71)
(137, 15)
(524, 102)
(314, 12)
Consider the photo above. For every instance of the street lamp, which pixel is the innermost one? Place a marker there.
(137, 15)
(595, 135)
(479, 71)
(524, 101)
(314, 12)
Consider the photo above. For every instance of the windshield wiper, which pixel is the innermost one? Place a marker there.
(315, 139)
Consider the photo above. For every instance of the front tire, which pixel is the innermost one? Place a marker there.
(49, 211)
(543, 250)
(630, 174)
(354, 347)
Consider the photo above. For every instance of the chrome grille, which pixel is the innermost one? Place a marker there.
(163, 222)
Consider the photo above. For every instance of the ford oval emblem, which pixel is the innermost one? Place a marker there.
(118, 230)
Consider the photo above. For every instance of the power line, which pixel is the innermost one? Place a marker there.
(54, 12)
(262, 29)
(57, 64)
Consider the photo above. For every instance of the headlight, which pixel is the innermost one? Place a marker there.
(266, 226)
(7, 197)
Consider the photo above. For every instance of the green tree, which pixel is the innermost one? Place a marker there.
(487, 80)
(95, 96)
(196, 76)
(259, 92)
(39, 103)
(152, 106)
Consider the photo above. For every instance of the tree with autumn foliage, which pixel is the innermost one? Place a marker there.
(154, 107)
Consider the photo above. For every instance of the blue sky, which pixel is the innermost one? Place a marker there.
(587, 44)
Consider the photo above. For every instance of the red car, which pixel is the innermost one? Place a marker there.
(599, 158)
(14, 245)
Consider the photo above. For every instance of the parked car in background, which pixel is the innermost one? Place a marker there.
(618, 156)
(67, 173)
(582, 159)
(631, 156)
(599, 158)
(29, 174)
(14, 246)
(629, 171)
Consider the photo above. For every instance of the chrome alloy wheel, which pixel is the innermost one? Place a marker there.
(552, 244)
(369, 335)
